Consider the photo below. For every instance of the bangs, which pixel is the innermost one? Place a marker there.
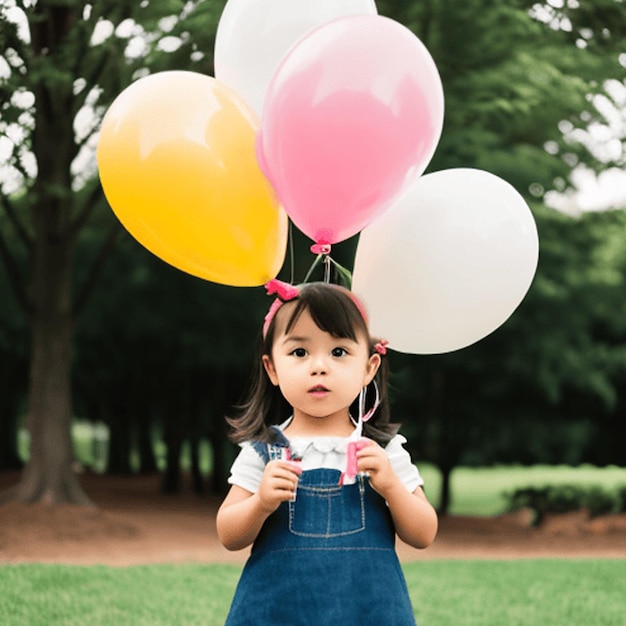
(332, 309)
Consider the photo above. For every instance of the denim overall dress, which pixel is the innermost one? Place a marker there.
(326, 559)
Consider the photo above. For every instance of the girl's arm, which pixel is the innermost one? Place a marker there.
(414, 517)
(242, 514)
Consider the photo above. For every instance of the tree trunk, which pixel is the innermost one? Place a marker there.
(171, 481)
(197, 480)
(437, 415)
(445, 494)
(221, 459)
(9, 457)
(173, 435)
(48, 476)
(120, 444)
(223, 396)
(147, 458)
(11, 391)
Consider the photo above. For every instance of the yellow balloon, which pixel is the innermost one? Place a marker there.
(176, 158)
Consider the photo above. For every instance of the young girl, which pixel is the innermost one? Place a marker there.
(320, 504)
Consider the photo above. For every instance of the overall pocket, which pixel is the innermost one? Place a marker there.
(328, 511)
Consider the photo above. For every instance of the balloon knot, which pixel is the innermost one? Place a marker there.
(321, 248)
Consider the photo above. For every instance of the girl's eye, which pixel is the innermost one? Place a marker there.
(299, 352)
(338, 352)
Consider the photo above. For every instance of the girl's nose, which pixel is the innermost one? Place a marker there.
(318, 365)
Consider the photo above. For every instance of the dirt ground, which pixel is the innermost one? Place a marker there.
(134, 524)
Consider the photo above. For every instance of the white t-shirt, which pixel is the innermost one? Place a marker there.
(328, 452)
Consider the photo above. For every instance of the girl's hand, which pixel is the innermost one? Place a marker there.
(371, 458)
(279, 483)
(414, 518)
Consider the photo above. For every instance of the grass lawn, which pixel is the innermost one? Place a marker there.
(518, 593)
(444, 593)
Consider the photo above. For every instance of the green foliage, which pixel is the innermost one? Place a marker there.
(566, 498)
(548, 385)
(577, 288)
(513, 72)
(72, 59)
(79, 56)
(444, 593)
(517, 75)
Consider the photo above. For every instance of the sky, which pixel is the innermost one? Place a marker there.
(595, 193)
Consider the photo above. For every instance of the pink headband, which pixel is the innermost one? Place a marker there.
(287, 292)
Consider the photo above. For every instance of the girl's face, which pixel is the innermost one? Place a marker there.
(318, 374)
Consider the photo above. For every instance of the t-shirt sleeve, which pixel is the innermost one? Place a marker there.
(402, 464)
(247, 470)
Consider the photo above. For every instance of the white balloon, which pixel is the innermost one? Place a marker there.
(254, 35)
(448, 263)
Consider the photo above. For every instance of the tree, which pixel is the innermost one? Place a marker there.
(13, 376)
(522, 82)
(163, 353)
(544, 387)
(609, 331)
(506, 109)
(63, 62)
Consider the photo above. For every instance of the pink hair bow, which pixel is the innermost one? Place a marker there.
(285, 293)
(283, 290)
(381, 346)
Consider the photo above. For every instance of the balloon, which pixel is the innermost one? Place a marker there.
(254, 35)
(177, 164)
(448, 263)
(353, 114)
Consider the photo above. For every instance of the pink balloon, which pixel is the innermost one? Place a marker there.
(352, 116)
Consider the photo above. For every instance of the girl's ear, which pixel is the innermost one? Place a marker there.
(373, 364)
(269, 368)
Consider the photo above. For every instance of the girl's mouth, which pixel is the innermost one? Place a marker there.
(318, 390)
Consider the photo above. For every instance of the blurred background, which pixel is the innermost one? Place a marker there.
(112, 361)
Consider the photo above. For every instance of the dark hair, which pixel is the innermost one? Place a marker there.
(334, 310)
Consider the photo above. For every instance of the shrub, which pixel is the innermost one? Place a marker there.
(565, 498)
(621, 499)
(599, 501)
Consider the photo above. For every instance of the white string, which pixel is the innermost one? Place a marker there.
(364, 417)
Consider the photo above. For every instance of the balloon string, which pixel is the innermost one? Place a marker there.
(292, 262)
(315, 264)
(343, 275)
